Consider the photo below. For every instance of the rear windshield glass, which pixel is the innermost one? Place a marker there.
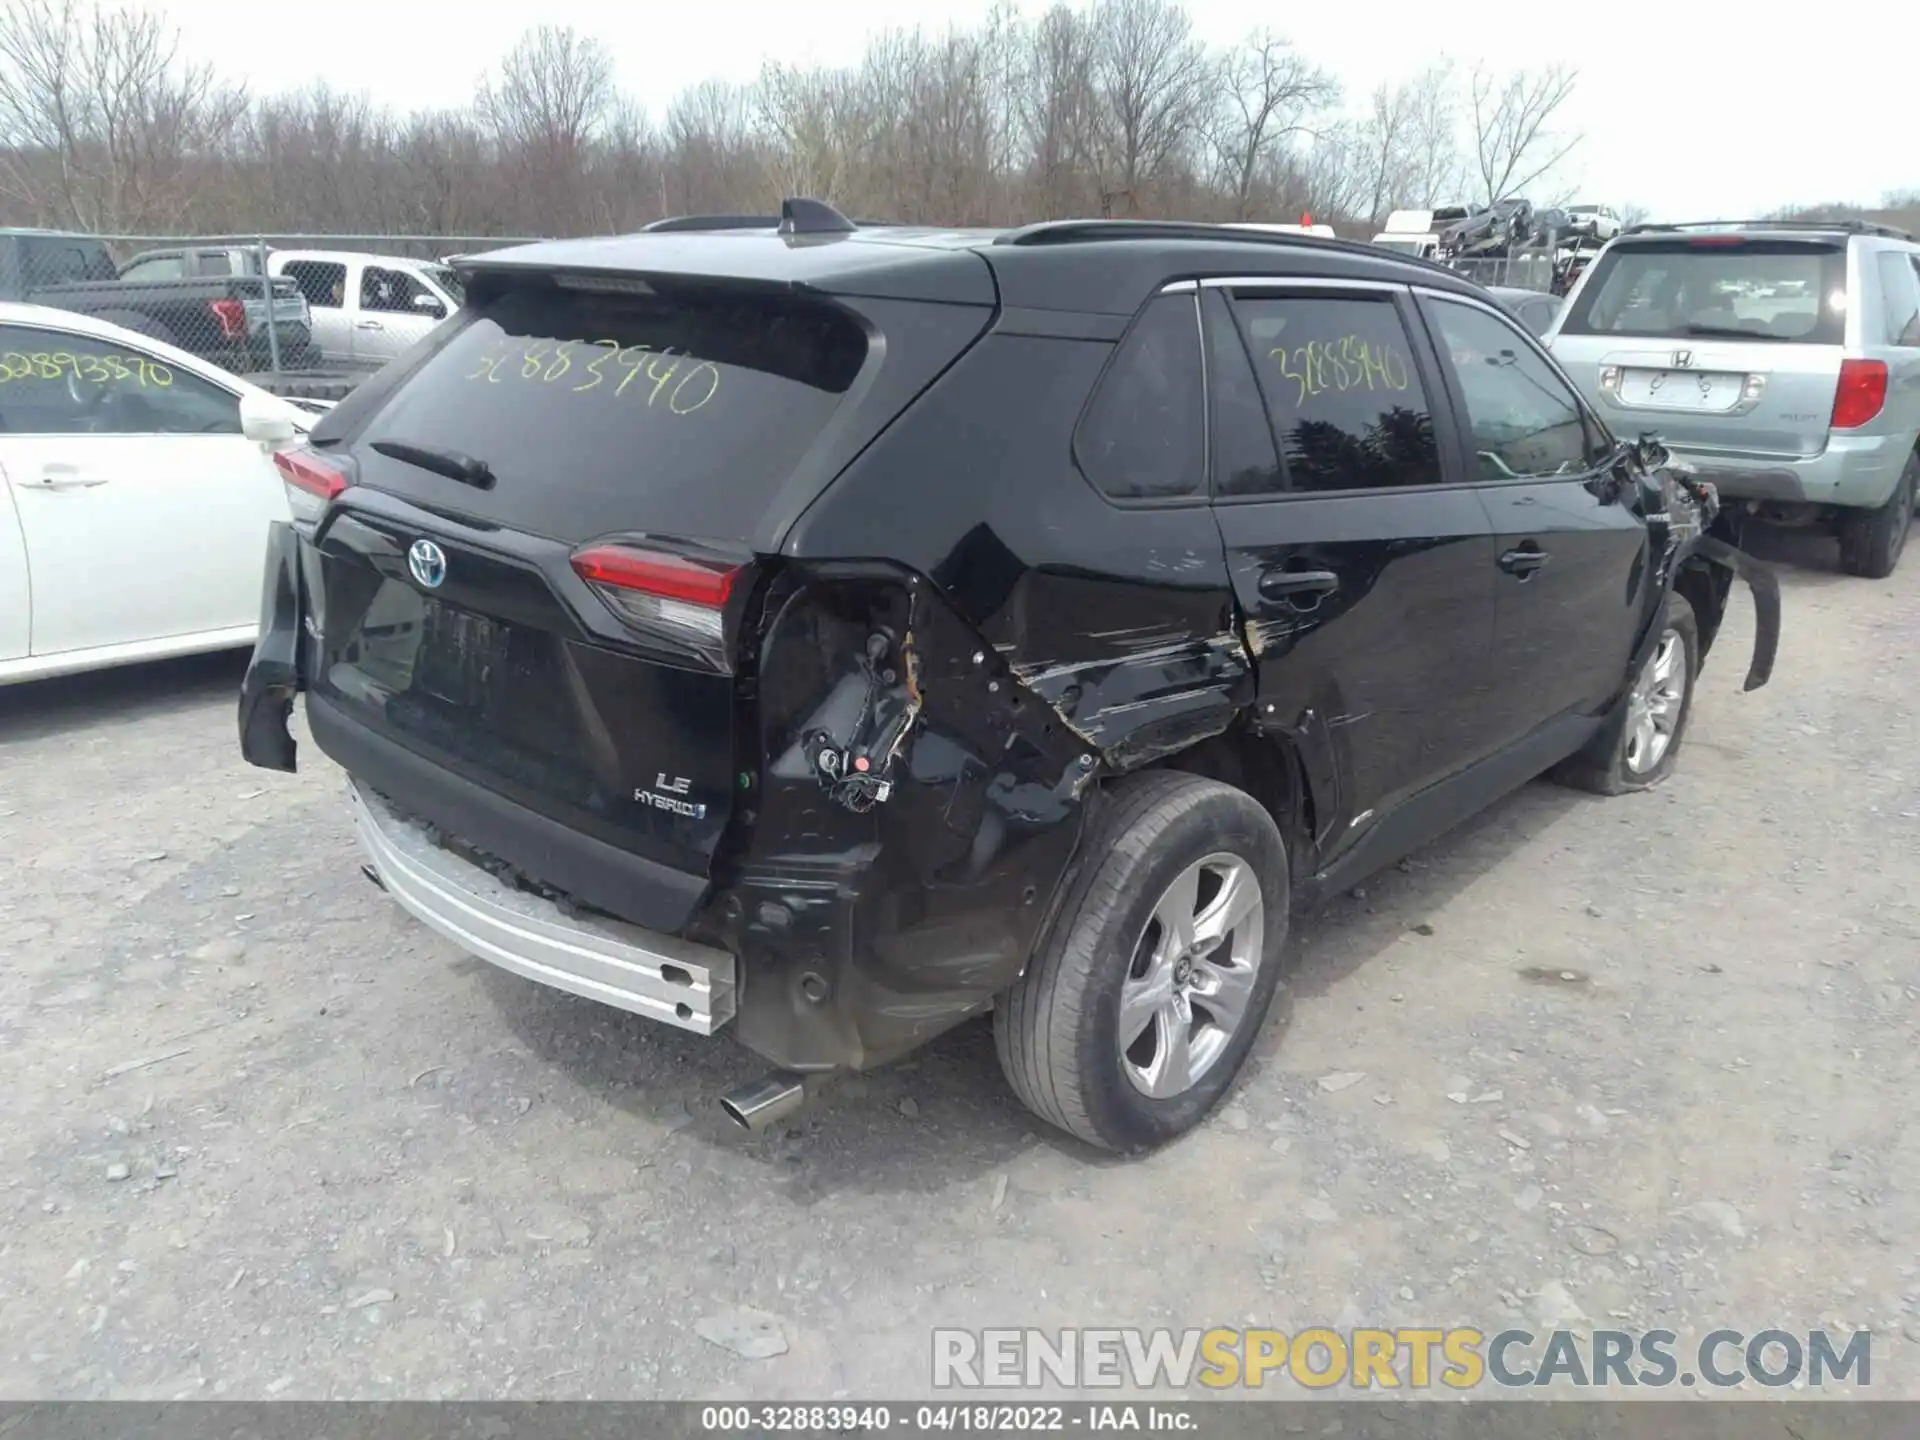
(599, 412)
(1711, 289)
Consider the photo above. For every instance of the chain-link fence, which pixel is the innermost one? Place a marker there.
(302, 314)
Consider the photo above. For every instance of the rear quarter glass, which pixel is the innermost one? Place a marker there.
(1716, 288)
(679, 413)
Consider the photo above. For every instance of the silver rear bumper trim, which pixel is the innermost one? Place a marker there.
(662, 977)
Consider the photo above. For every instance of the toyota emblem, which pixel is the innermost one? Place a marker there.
(428, 562)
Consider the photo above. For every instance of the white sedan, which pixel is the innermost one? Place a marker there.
(133, 511)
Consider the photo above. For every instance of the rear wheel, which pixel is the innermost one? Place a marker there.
(1141, 1004)
(1637, 748)
(1871, 540)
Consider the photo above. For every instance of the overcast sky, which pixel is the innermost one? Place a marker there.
(1692, 110)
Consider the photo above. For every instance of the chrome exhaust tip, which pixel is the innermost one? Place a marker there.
(759, 1103)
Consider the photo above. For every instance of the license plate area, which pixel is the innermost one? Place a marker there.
(460, 656)
(1699, 391)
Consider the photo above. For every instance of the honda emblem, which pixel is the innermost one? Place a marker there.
(1683, 359)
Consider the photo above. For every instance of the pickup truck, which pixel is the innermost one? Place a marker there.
(222, 318)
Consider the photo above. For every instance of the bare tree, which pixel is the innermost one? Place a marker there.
(1151, 79)
(1057, 112)
(1113, 107)
(1632, 215)
(1405, 145)
(1269, 97)
(100, 120)
(1516, 140)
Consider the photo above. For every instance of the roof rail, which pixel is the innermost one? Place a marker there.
(675, 223)
(1849, 227)
(1059, 232)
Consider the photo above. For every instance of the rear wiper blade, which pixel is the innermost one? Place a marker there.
(450, 463)
(1726, 332)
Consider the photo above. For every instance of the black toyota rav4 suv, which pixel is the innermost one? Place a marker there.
(831, 632)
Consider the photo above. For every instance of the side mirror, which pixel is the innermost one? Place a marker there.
(269, 421)
(430, 306)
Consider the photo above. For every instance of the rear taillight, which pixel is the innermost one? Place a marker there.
(312, 481)
(231, 316)
(678, 599)
(1861, 393)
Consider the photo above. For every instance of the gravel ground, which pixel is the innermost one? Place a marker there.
(1640, 1060)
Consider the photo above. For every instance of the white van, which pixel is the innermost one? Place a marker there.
(368, 308)
(1417, 232)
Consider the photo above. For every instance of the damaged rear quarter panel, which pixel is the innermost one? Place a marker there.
(1055, 636)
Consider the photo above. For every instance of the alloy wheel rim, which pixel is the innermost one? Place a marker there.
(1655, 703)
(1190, 983)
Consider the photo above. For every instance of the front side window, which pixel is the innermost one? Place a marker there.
(1144, 436)
(1342, 391)
(391, 290)
(1526, 421)
(53, 382)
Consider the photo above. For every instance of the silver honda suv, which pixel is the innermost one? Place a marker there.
(1781, 359)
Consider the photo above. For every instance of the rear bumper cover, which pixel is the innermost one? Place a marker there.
(843, 939)
(1858, 471)
(661, 977)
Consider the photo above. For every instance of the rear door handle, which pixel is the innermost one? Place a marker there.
(1284, 584)
(1524, 560)
(66, 477)
(369, 325)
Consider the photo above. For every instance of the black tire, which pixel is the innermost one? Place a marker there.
(1604, 767)
(1057, 1028)
(1871, 540)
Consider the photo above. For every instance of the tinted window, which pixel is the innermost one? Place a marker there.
(213, 262)
(1716, 287)
(56, 383)
(680, 411)
(158, 267)
(1899, 298)
(1526, 421)
(1342, 391)
(1244, 460)
(323, 282)
(55, 262)
(1144, 436)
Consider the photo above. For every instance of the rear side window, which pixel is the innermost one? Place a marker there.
(680, 411)
(323, 282)
(1343, 393)
(1716, 288)
(1899, 298)
(1144, 435)
(56, 262)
